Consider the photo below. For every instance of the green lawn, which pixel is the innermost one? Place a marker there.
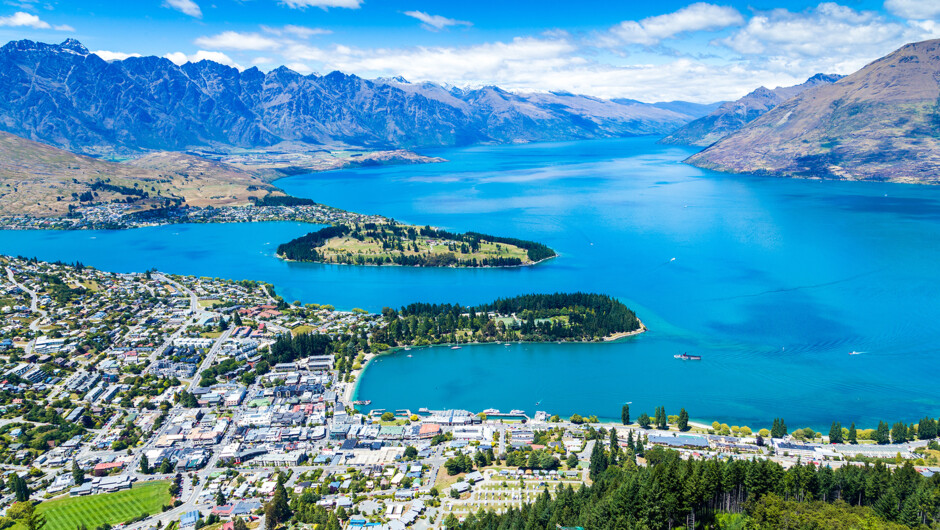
(111, 508)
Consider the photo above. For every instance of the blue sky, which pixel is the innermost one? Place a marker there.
(652, 51)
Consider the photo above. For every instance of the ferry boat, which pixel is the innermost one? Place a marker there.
(491, 412)
(517, 412)
(362, 402)
(687, 357)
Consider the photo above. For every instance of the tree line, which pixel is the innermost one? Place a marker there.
(559, 316)
(671, 492)
(396, 239)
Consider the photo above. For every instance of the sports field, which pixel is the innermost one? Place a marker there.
(111, 508)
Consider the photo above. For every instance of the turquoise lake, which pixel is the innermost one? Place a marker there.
(772, 281)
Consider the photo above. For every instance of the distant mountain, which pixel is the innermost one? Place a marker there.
(65, 96)
(733, 115)
(44, 181)
(687, 108)
(880, 123)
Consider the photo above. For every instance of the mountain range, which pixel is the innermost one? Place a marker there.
(880, 123)
(732, 116)
(67, 97)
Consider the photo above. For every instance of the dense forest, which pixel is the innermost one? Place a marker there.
(281, 200)
(397, 240)
(671, 492)
(536, 317)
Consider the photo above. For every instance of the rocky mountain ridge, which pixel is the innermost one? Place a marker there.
(65, 96)
(880, 123)
(733, 115)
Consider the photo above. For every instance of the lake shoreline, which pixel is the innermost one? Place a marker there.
(351, 390)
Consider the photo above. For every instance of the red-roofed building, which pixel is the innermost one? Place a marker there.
(429, 430)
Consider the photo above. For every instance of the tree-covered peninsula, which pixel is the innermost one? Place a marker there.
(392, 243)
(534, 317)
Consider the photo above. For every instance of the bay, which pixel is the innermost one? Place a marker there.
(772, 281)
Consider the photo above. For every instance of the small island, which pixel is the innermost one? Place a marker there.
(568, 317)
(393, 243)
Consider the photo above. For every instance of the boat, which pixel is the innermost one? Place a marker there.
(409, 356)
(455, 347)
(517, 412)
(362, 402)
(853, 352)
(407, 348)
(687, 357)
(491, 411)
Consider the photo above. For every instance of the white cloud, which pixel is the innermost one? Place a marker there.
(300, 68)
(114, 56)
(187, 7)
(436, 22)
(22, 19)
(63, 27)
(700, 16)
(914, 9)
(828, 38)
(232, 40)
(298, 31)
(324, 4)
(479, 64)
(181, 58)
(529, 64)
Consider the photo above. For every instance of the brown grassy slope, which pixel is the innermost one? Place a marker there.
(39, 180)
(204, 182)
(880, 123)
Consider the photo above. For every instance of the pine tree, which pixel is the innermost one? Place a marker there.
(683, 420)
(630, 442)
(660, 417)
(625, 414)
(614, 447)
(882, 435)
(598, 461)
(281, 502)
(853, 434)
(144, 464)
(270, 516)
(835, 433)
(927, 429)
(220, 498)
(238, 523)
(78, 475)
(899, 433)
(19, 487)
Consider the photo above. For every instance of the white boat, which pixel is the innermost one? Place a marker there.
(853, 352)
(491, 411)
(409, 356)
(517, 412)
(455, 347)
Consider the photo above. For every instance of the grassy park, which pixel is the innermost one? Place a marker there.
(111, 508)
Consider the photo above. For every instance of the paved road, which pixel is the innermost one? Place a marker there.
(210, 357)
(33, 306)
